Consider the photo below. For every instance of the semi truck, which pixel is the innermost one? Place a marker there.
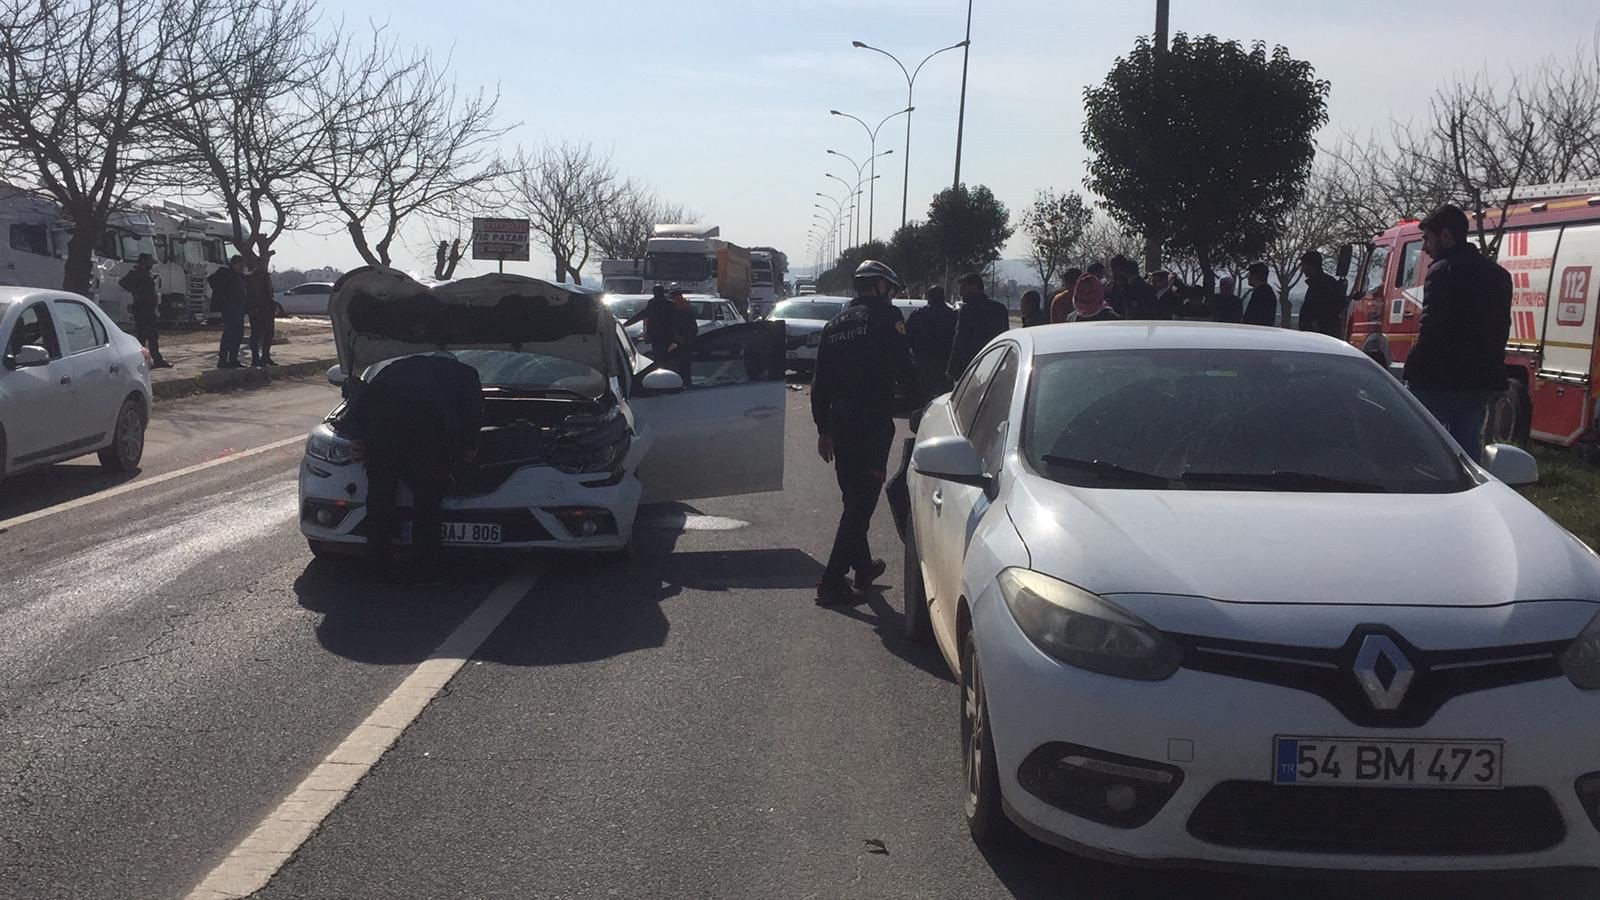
(187, 244)
(699, 261)
(767, 268)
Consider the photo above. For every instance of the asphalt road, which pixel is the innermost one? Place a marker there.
(686, 724)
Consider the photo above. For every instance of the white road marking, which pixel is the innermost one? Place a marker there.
(138, 484)
(257, 858)
(678, 521)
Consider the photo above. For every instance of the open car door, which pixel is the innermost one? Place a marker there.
(722, 435)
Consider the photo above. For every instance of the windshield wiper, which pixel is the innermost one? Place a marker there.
(1112, 470)
(535, 391)
(1284, 480)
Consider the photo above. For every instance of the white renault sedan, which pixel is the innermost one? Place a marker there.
(579, 429)
(1228, 594)
(804, 317)
(72, 383)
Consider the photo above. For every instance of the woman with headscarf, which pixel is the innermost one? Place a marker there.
(1089, 302)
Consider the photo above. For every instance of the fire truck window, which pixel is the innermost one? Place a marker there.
(1372, 279)
(1410, 261)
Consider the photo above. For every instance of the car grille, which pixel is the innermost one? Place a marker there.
(516, 525)
(1440, 675)
(1379, 821)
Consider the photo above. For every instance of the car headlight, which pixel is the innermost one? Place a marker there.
(814, 340)
(326, 445)
(1084, 630)
(1581, 660)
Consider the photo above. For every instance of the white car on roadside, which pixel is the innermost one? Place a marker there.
(579, 428)
(710, 314)
(1230, 595)
(307, 299)
(71, 383)
(803, 317)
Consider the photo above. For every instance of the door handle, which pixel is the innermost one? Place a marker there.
(938, 502)
(115, 368)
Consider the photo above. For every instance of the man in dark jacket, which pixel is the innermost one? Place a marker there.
(1458, 362)
(263, 310)
(977, 322)
(140, 283)
(863, 354)
(1226, 306)
(657, 317)
(1136, 297)
(228, 297)
(1323, 309)
(1261, 305)
(685, 328)
(417, 419)
(931, 331)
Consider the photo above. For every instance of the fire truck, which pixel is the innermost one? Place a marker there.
(1551, 247)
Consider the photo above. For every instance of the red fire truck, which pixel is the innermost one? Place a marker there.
(1551, 247)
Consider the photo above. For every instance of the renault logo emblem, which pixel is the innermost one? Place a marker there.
(1384, 672)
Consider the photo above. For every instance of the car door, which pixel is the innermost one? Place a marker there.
(941, 528)
(722, 435)
(40, 416)
(98, 379)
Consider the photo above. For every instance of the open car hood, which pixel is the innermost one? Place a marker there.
(381, 313)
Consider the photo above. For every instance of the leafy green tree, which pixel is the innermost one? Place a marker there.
(1207, 147)
(967, 227)
(1055, 225)
(837, 280)
(911, 253)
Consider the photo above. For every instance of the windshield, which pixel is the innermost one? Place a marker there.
(705, 310)
(1231, 420)
(519, 371)
(677, 266)
(806, 309)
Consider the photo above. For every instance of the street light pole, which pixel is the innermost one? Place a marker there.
(961, 120)
(1152, 241)
(849, 193)
(861, 179)
(872, 136)
(911, 81)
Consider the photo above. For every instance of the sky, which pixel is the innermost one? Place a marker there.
(723, 105)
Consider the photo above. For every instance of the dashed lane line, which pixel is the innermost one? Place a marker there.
(142, 483)
(250, 865)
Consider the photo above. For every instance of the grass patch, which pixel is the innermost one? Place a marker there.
(1568, 491)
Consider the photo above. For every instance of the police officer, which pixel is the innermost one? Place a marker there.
(863, 352)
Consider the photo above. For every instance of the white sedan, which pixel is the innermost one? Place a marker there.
(804, 318)
(307, 299)
(710, 314)
(579, 429)
(1230, 595)
(72, 383)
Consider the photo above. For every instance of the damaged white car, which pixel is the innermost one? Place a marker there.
(579, 429)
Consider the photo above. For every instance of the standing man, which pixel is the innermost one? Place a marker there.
(931, 331)
(228, 298)
(1261, 304)
(684, 331)
(1061, 304)
(1458, 362)
(1137, 297)
(417, 419)
(1167, 303)
(140, 283)
(977, 322)
(1033, 310)
(863, 353)
(657, 317)
(1226, 306)
(1323, 309)
(263, 310)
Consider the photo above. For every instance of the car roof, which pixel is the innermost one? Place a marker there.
(16, 294)
(1082, 336)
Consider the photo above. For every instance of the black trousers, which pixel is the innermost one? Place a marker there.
(261, 328)
(428, 479)
(861, 461)
(147, 328)
(232, 332)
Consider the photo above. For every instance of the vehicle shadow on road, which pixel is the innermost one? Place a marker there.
(46, 487)
(1034, 871)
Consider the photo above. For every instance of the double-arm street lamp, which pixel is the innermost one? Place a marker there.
(860, 180)
(911, 83)
(872, 137)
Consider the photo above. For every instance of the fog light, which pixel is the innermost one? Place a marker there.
(585, 521)
(326, 513)
(1116, 790)
(1589, 796)
(325, 517)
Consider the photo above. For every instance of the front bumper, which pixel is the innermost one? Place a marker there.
(532, 507)
(1219, 732)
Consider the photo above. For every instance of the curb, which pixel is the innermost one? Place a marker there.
(218, 380)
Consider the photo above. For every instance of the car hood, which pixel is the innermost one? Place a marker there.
(1481, 547)
(381, 313)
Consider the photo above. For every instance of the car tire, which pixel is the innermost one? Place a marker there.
(918, 621)
(277, 311)
(986, 818)
(127, 439)
(1510, 415)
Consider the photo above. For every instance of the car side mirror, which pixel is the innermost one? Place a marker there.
(663, 381)
(952, 459)
(1512, 465)
(336, 376)
(28, 357)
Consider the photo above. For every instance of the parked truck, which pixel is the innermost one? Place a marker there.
(623, 276)
(767, 268)
(188, 245)
(699, 261)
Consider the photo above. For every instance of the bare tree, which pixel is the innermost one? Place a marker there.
(87, 84)
(1103, 238)
(1055, 224)
(399, 140)
(564, 190)
(253, 141)
(622, 230)
(1312, 224)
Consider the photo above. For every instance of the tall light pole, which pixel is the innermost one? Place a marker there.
(849, 192)
(911, 82)
(872, 136)
(860, 180)
(961, 120)
(1152, 241)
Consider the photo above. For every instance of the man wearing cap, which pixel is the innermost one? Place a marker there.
(863, 353)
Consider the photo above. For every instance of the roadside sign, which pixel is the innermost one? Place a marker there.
(501, 239)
